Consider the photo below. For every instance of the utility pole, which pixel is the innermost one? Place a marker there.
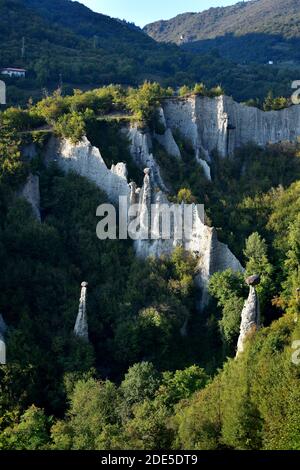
(60, 83)
(95, 42)
(23, 48)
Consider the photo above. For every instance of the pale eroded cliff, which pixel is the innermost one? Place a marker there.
(222, 124)
(86, 160)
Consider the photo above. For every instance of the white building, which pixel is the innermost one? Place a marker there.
(14, 72)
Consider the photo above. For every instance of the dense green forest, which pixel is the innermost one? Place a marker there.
(66, 44)
(138, 384)
(253, 31)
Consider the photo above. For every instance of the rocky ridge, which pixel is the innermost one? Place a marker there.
(208, 124)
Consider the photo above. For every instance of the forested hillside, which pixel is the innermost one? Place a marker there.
(252, 31)
(138, 383)
(68, 45)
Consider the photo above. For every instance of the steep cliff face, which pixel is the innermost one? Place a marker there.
(31, 192)
(180, 115)
(166, 139)
(207, 124)
(214, 256)
(222, 124)
(212, 124)
(141, 152)
(168, 142)
(152, 247)
(86, 160)
(248, 124)
(202, 240)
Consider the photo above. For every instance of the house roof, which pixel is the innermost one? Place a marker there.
(13, 69)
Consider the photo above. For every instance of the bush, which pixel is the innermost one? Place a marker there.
(13, 170)
(143, 101)
(229, 289)
(185, 195)
(30, 433)
(21, 120)
(52, 108)
(70, 126)
(184, 91)
(275, 104)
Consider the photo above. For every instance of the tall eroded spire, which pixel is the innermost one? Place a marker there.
(81, 325)
(250, 321)
(145, 205)
(3, 329)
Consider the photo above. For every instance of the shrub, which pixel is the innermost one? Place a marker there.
(71, 126)
(21, 120)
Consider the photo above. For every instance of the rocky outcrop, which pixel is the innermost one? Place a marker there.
(31, 192)
(168, 142)
(201, 240)
(81, 325)
(141, 152)
(152, 247)
(119, 170)
(221, 124)
(86, 160)
(2, 92)
(180, 115)
(214, 256)
(212, 124)
(206, 168)
(134, 193)
(250, 320)
(166, 138)
(3, 329)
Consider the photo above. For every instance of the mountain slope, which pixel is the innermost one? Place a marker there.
(86, 23)
(266, 28)
(71, 35)
(65, 39)
(66, 42)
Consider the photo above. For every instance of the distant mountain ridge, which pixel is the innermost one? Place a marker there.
(82, 21)
(67, 43)
(65, 38)
(266, 28)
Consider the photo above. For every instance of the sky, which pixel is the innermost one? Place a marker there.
(142, 12)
